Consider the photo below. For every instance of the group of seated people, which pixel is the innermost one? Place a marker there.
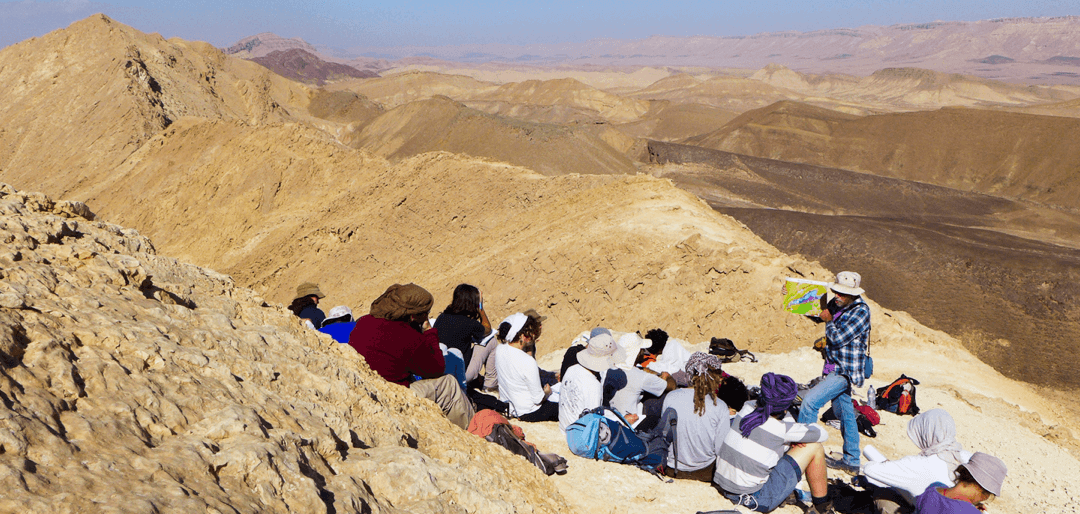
(748, 445)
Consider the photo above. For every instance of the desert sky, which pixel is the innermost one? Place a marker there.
(356, 26)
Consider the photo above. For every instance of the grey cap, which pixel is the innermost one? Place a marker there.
(988, 471)
(597, 331)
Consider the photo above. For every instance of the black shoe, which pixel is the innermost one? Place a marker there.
(841, 466)
(824, 508)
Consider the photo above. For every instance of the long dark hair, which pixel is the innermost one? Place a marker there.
(299, 304)
(466, 302)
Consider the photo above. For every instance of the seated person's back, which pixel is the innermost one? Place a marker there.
(703, 417)
(338, 324)
(581, 386)
(745, 462)
(519, 376)
(464, 322)
(392, 341)
(627, 399)
(934, 433)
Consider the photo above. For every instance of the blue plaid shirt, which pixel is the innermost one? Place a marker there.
(849, 340)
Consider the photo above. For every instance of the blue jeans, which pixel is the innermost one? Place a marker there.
(783, 479)
(834, 387)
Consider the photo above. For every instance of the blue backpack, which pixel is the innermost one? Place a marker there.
(594, 436)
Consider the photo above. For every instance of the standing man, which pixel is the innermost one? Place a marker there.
(847, 334)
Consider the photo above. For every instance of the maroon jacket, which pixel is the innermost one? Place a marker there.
(397, 351)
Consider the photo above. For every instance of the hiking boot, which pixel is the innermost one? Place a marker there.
(824, 508)
(840, 465)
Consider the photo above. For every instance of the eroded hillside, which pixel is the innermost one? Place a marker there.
(80, 100)
(998, 153)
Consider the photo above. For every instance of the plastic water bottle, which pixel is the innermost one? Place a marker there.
(871, 397)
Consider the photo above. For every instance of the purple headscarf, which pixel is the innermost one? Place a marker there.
(777, 393)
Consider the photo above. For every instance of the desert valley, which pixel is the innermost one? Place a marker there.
(160, 200)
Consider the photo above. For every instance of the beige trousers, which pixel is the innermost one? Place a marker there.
(483, 357)
(446, 392)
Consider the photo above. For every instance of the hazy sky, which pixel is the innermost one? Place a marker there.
(347, 24)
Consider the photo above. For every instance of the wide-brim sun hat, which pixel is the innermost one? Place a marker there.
(631, 344)
(988, 471)
(339, 312)
(847, 282)
(600, 353)
(308, 289)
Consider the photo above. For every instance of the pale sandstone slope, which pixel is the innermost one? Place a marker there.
(402, 88)
(560, 92)
(66, 290)
(80, 100)
(136, 383)
(442, 124)
(893, 89)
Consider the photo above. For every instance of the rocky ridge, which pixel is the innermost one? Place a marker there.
(138, 382)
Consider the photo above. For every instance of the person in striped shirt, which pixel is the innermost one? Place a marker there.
(766, 453)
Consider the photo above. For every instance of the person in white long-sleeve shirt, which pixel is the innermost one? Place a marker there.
(519, 375)
(934, 433)
(582, 386)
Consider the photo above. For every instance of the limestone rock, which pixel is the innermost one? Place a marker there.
(137, 383)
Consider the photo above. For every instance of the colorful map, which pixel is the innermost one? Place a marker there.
(804, 296)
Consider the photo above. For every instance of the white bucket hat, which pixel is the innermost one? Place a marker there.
(631, 344)
(339, 311)
(847, 282)
(600, 354)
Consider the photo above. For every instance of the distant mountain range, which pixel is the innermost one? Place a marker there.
(1026, 50)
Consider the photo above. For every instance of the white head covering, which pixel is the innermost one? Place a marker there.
(516, 321)
(934, 432)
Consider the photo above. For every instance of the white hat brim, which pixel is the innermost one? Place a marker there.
(854, 291)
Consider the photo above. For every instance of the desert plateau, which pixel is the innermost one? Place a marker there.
(161, 200)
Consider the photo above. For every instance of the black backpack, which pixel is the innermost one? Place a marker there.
(726, 350)
(898, 397)
(549, 463)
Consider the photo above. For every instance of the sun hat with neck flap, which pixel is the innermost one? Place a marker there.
(600, 353)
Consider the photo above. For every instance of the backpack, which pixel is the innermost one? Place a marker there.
(549, 463)
(594, 436)
(898, 397)
(662, 438)
(726, 350)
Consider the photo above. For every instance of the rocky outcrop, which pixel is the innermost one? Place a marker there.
(131, 381)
